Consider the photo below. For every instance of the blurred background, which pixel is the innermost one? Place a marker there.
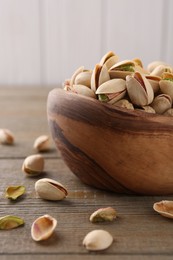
(42, 42)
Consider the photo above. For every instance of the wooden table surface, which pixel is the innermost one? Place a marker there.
(138, 231)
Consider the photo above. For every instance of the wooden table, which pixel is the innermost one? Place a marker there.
(138, 231)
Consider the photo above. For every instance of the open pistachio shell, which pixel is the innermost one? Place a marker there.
(42, 143)
(151, 66)
(122, 69)
(139, 89)
(124, 103)
(83, 78)
(99, 76)
(138, 62)
(166, 84)
(164, 207)
(103, 214)
(154, 81)
(161, 103)
(159, 70)
(50, 189)
(13, 192)
(6, 137)
(97, 240)
(10, 222)
(43, 227)
(112, 90)
(33, 165)
(79, 70)
(109, 59)
(83, 90)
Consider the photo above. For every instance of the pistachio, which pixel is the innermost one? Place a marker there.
(83, 90)
(168, 112)
(124, 103)
(43, 227)
(103, 214)
(79, 70)
(161, 103)
(99, 76)
(83, 78)
(10, 222)
(33, 165)
(6, 137)
(42, 143)
(13, 192)
(50, 189)
(166, 84)
(122, 69)
(154, 81)
(147, 109)
(109, 59)
(164, 207)
(159, 70)
(97, 240)
(151, 66)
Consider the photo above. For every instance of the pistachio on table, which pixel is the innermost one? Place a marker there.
(97, 240)
(6, 137)
(10, 222)
(164, 207)
(103, 214)
(33, 165)
(13, 192)
(42, 143)
(50, 189)
(43, 227)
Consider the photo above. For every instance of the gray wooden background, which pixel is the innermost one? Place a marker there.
(43, 41)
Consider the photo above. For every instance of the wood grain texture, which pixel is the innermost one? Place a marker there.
(139, 232)
(132, 150)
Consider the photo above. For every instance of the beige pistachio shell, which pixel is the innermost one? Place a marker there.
(169, 112)
(103, 214)
(79, 70)
(164, 207)
(139, 89)
(6, 137)
(83, 90)
(148, 109)
(43, 227)
(109, 59)
(138, 62)
(162, 103)
(50, 189)
(167, 76)
(33, 165)
(10, 222)
(13, 192)
(166, 87)
(154, 81)
(122, 69)
(124, 103)
(159, 70)
(99, 76)
(83, 78)
(42, 143)
(97, 240)
(151, 66)
(114, 89)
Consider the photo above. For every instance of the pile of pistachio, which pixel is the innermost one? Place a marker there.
(126, 84)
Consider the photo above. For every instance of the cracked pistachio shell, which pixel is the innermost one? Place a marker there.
(103, 214)
(139, 89)
(42, 143)
(79, 70)
(169, 112)
(83, 78)
(97, 240)
(10, 222)
(151, 66)
(33, 165)
(124, 103)
(43, 227)
(100, 75)
(138, 62)
(166, 84)
(122, 69)
(113, 90)
(50, 189)
(83, 90)
(6, 137)
(109, 59)
(161, 103)
(13, 192)
(164, 207)
(159, 70)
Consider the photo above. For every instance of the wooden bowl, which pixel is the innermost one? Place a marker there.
(112, 148)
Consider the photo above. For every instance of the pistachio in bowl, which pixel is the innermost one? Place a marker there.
(116, 133)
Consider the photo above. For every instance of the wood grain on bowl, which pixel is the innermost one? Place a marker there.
(112, 148)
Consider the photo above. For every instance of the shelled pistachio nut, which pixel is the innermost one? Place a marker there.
(50, 189)
(103, 214)
(10, 222)
(109, 59)
(161, 103)
(83, 78)
(13, 192)
(6, 137)
(97, 240)
(100, 75)
(164, 207)
(43, 227)
(166, 84)
(124, 103)
(33, 165)
(111, 90)
(122, 69)
(42, 143)
(83, 90)
(139, 89)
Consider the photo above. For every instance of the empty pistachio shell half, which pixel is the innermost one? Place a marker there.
(42, 143)
(164, 207)
(6, 137)
(10, 222)
(50, 190)
(97, 240)
(13, 192)
(33, 165)
(99, 76)
(103, 214)
(43, 227)
(109, 59)
(83, 90)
